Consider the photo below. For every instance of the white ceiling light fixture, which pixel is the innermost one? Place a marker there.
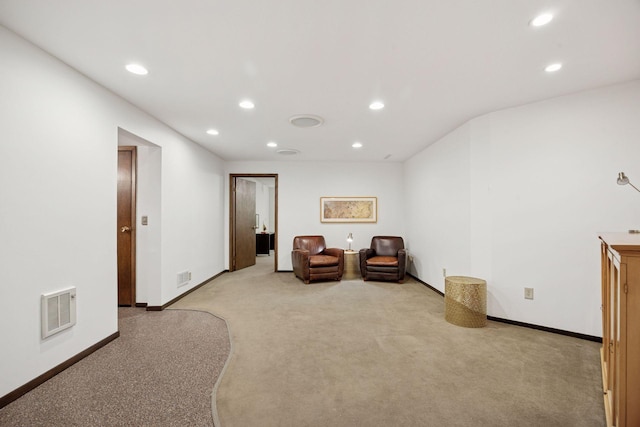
(247, 105)
(541, 20)
(272, 144)
(376, 105)
(357, 145)
(306, 120)
(213, 132)
(552, 68)
(137, 69)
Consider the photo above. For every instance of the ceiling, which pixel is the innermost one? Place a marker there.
(435, 64)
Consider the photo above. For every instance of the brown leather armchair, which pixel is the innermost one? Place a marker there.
(312, 260)
(385, 260)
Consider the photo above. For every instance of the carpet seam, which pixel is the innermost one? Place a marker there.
(214, 393)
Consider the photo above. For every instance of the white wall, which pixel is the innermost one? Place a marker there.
(58, 167)
(192, 217)
(262, 207)
(272, 209)
(300, 186)
(437, 208)
(518, 197)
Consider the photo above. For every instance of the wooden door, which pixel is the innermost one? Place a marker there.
(126, 229)
(244, 229)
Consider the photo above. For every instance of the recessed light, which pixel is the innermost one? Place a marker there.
(357, 145)
(541, 20)
(272, 144)
(137, 69)
(246, 104)
(377, 105)
(213, 132)
(552, 68)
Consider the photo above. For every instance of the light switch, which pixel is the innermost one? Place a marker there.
(145, 220)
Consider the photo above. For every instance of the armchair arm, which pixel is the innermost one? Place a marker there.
(339, 253)
(300, 262)
(402, 263)
(365, 254)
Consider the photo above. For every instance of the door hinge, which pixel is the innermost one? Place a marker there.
(626, 288)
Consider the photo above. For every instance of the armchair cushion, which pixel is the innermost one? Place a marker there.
(323, 260)
(383, 261)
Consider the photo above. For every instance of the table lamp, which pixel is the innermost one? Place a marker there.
(350, 239)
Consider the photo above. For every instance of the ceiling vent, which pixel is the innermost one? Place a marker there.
(287, 151)
(306, 121)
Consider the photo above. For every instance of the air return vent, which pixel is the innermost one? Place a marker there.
(183, 278)
(58, 311)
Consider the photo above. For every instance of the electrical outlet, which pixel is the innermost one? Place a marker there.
(444, 272)
(528, 293)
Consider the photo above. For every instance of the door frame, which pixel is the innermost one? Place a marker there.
(232, 219)
(134, 168)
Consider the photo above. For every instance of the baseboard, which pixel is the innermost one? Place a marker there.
(523, 324)
(176, 299)
(425, 284)
(141, 304)
(284, 271)
(20, 391)
(546, 329)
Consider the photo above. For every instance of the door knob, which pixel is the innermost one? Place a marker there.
(125, 228)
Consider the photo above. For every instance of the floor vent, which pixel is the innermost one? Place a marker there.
(58, 311)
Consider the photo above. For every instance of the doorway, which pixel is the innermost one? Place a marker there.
(146, 217)
(249, 223)
(126, 236)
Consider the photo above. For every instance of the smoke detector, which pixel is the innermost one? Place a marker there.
(306, 120)
(287, 151)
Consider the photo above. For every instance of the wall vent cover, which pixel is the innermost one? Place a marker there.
(183, 278)
(58, 311)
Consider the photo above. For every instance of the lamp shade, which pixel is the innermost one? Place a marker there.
(622, 179)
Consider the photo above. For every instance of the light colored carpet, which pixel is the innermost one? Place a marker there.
(359, 353)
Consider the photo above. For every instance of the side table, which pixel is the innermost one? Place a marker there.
(465, 301)
(351, 267)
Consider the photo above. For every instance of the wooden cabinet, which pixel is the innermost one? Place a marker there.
(620, 354)
(263, 244)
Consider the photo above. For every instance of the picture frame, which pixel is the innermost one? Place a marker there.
(349, 209)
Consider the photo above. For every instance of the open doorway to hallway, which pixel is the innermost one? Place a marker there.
(144, 222)
(253, 220)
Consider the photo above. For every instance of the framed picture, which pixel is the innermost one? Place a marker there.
(348, 209)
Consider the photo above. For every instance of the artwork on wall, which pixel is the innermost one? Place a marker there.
(348, 209)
